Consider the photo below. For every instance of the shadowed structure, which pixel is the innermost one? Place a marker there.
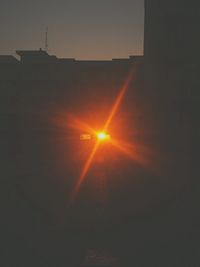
(172, 31)
(147, 214)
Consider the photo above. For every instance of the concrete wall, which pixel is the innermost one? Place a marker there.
(172, 32)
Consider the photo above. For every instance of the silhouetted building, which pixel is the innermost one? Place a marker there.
(7, 59)
(9, 67)
(160, 111)
(35, 56)
(172, 32)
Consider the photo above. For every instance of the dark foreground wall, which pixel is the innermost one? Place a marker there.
(146, 203)
(172, 31)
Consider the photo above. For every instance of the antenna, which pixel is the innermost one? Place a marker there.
(46, 39)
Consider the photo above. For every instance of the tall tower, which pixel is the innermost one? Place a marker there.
(172, 31)
(46, 40)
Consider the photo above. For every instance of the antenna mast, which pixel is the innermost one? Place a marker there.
(46, 40)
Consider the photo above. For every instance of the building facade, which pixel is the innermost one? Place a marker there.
(172, 33)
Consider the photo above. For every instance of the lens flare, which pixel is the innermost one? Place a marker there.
(102, 136)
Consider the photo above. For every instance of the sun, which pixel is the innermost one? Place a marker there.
(102, 136)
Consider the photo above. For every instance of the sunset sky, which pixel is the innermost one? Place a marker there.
(82, 29)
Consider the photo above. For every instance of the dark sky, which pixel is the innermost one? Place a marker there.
(83, 29)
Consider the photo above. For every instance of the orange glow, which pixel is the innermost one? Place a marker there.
(135, 152)
(118, 101)
(85, 137)
(84, 172)
(76, 123)
(102, 136)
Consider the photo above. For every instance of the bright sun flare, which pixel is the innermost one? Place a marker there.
(102, 136)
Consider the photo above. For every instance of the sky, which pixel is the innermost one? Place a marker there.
(81, 29)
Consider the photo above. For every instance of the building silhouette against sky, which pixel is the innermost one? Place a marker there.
(171, 35)
(160, 111)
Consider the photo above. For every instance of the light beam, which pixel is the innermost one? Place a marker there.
(102, 135)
